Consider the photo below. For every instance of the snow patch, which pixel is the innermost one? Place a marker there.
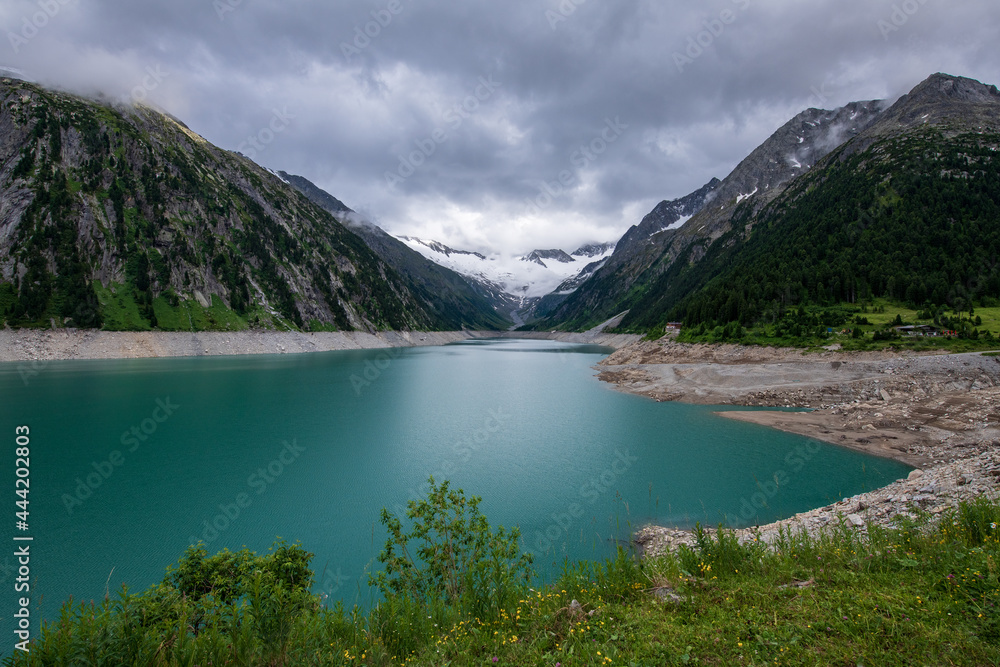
(740, 198)
(278, 176)
(680, 223)
(514, 275)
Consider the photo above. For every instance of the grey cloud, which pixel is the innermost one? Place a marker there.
(370, 81)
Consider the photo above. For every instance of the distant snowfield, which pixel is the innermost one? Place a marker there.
(516, 276)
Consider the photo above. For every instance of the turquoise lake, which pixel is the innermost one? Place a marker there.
(132, 461)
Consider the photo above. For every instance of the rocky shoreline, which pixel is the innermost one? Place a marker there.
(938, 413)
(36, 345)
(934, 491)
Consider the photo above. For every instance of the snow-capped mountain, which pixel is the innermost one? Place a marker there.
(592, 250)
(526, 277)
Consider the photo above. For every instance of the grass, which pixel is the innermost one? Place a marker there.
(121, 313)
(119, 309)
(880, 314)
(188, 315)
(916, 594)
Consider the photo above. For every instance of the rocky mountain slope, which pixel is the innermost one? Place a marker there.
(905, 210)
(609, 283)
(457, 302)
(693, 222)
(124, 218)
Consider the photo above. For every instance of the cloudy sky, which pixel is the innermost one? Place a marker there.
(498, 125)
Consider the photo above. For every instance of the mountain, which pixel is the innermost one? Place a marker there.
(122, 217)
(604, 284)
(950, 103)
(539, 257)
(441, 249)
(689, 225)
(457, 302)
(906, 209)
(592, 250)
(521, 279)
(666, 216)
(316, 194)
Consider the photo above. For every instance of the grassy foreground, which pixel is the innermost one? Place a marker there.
(918, 594)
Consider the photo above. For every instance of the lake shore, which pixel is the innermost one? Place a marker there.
(939, 413)
(34, 345)
(920, 409)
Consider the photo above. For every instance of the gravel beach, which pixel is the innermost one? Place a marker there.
(938, 413)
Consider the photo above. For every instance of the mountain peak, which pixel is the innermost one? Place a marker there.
(593, 249)
(315, 193)
(941, 100)
(440, 248)
(665, 216)
(538, 256)
(958, 88)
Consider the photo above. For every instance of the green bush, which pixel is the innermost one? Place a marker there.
(233, 605)
(452, 554)
(923, 592)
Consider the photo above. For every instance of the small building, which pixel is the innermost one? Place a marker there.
(676, 326)
(919, 330)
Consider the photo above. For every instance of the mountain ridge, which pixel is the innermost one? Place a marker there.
(807, 140)
(904, 210)
(121, 217)
(437, 284)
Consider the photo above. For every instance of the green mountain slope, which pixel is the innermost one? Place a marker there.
(122, 217)
(905, 208)
(912, 218)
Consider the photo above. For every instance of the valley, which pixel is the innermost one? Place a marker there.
(827, 277)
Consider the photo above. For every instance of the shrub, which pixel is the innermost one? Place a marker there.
(452, 554)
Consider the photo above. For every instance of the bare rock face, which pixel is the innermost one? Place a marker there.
(117, 213)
